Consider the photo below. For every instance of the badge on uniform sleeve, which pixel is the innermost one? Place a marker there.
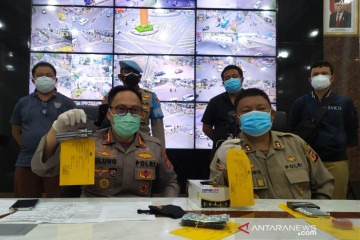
(219, 165)
(313, 156)
(104, 183)
(167, 161)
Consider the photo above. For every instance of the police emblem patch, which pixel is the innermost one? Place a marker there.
(104, 183)
(260, 182)
(145, 174)
(57, 104)
(145, 155)
(144, 188)
(301, 191)
(291, 159)
(313, 156)
(112, 172)
(104, 153)
(219, 165)
(100, 171)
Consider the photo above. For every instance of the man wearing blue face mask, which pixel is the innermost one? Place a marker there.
(336, 127)
(216, 116)
(127, 161)
(31, 119)
(282, 164)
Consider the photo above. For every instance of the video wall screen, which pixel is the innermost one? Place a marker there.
(181, 45)
(154, 31)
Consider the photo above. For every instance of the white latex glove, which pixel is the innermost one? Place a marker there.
(224, 149)
(68, 119)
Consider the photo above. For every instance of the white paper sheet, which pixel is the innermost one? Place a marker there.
(126, 211)
(80, 212)
(49, 212)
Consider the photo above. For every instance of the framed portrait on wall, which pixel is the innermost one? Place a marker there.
(341, 17)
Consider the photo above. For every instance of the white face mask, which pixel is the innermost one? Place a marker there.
(320, 82)
(45, 84)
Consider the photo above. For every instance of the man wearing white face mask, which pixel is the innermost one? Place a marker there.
(282, 164)
(32, 117)
(336, 126)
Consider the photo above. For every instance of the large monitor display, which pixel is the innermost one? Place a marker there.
(157, 31)
(182, 47)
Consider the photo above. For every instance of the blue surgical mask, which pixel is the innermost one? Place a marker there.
(44, 84)
(126, 125)
(255, 123)
(233, 85)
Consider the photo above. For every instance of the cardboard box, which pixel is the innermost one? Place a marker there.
(205, 194)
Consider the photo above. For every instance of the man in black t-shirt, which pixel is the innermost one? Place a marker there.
(215, 119)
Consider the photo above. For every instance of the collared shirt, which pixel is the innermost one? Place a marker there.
(216, 115)
(290, 170)
(140, 170)
(36, 118)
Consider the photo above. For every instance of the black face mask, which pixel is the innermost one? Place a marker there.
(131, 79)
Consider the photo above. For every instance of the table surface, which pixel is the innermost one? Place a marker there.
(265, 212)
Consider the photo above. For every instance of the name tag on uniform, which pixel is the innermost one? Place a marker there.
(77, 162)
(240, 178)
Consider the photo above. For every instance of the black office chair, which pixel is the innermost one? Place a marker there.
(280, 122)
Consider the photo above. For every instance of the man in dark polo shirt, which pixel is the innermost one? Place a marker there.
(31, 119)
(215, 119)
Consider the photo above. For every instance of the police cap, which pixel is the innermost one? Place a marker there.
(126, 64)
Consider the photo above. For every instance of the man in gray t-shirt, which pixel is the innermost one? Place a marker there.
(31, 119)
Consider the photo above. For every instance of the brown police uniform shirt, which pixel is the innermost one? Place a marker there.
(141, 170)
(291, 169)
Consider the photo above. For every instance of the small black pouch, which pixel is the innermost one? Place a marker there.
(165, 210)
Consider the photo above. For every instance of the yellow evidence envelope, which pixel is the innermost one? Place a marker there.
(207, 233)
(240, 178)
(77, 162)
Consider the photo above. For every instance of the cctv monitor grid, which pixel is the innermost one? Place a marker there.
(85, 46)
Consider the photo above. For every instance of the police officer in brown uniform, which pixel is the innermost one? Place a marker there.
(127, 162)
(151, 108)
(282, 164)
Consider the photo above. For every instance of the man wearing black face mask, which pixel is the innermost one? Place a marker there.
(151, 109)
